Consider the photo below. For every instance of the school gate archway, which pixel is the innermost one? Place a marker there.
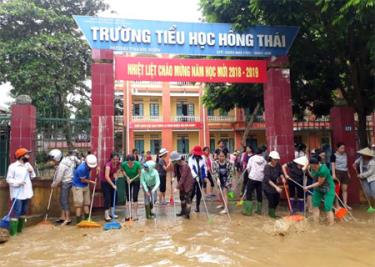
(106, 35)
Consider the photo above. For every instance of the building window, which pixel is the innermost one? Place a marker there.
(138, 109)
(184, 110)
(155, 146)
(154, 109)
(183, 145)
(210, 112)
(139, 145)
(231, 145)
(228, 143)
(212, 145)
(252, 142)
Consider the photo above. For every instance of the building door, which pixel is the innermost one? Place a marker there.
(155, 146)
(252, 142)
(183, 145)
(140, 145)
(4, 146)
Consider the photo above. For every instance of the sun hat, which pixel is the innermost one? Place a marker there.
(366, 152)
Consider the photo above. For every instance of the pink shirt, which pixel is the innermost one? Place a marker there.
(112, 170)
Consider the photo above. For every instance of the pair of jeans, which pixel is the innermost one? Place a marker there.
(20, 207)
(64, 196)
(108, 194)
(197, 192)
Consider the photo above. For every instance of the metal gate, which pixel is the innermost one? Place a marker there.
(4, 144)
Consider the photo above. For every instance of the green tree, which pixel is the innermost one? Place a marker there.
(333, 53)
(42, 52)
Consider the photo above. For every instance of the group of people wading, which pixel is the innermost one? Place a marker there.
(311, 181)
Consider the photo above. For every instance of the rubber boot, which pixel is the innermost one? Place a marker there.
(187, 211)
(148, 211)
(78, 219)
(247, 208)
(272, 213)
(21, 223)
(13, 226)
(294, 205)
(107, 218)
(151, 207)
(259, 208)
(86, 216)
(301, 205)
(183, 210)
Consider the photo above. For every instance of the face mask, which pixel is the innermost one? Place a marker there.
(24, 159)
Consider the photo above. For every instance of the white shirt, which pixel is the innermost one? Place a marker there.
(19, 173)
(255, 167)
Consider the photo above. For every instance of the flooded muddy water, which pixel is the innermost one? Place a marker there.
(166, 241)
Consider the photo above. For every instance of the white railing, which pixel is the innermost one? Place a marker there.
(185, 118)
(142, 84)
(147, 118)
(221, 118)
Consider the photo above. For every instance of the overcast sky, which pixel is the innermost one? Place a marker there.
(170, 10)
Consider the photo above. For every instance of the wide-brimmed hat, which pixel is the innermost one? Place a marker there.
(162, 152)
(175, 156)
(366, 152)
(197, 151)
(303, 161)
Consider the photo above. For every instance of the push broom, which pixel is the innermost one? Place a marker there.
(45, 221)
(113, 224)
(89, 223)
(340, 213)
(4, 223)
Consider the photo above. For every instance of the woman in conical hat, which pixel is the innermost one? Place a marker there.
(364, 166)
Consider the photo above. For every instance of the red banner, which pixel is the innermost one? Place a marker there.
(164, 125)
(190, 70)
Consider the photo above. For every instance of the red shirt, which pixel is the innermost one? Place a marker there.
(112, 170)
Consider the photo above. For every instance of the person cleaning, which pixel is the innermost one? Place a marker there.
(132, 169)
(340, 172)
(162, 167)
(208, 185)
(364, 167)
(185, 183)
(324, 190)
(294, 171)
(19, 178)
(150, 182)
(223, 171)
(255, 168)
(272, 175)
(199, 173)
(108, 183)
(64, 175)
(81, 190)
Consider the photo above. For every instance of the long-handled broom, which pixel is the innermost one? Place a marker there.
(4, 223)
(113, 224)
(89, 223)
(340, 213)
(45, 221)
